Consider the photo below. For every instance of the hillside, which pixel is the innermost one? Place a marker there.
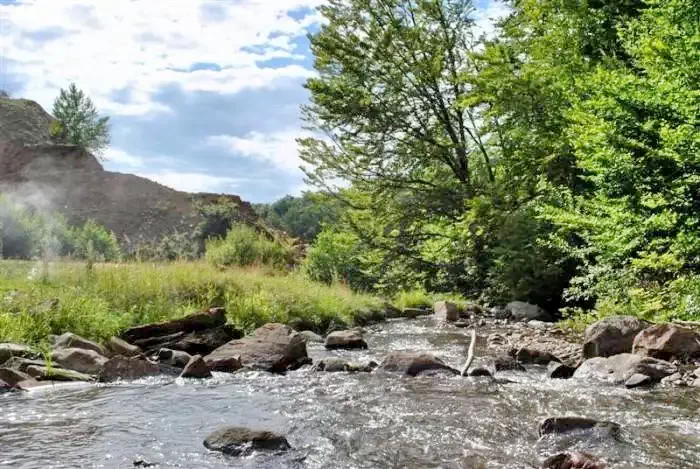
(67, 179)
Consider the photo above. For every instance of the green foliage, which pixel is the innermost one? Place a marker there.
(337, 256)
(301, 217)
(78, 122)
(243, 246)
(112, 297)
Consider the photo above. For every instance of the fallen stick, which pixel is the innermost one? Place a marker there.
(470, 354)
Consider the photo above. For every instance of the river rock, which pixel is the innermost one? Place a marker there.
(116, 346)
(482, 367)
(215, 317)
(446, 311)
(563, 425)
(505, 362)
(519, 310)
(73, 341)
(391, 311)
(78, 359)
(611, 336)
(619, 368)
(414, 364)
(413, 313)
(667, 342)
(534, 356)
(129, 368)
(311, 336)
(674, 379)
(348, 339)
(21, 364)
(4, 387)
(176, 358)
(556, 370)
(573, 460)
(240, 441)
(8, 351)
(12, 377)
(272, 347)
(638, 380)
(196, 368)
(336, 364)
(43, 373)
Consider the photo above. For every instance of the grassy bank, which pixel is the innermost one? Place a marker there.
(37, 299)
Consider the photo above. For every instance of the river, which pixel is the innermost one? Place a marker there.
(341, 420)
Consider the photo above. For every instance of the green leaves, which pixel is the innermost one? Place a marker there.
(78, 122)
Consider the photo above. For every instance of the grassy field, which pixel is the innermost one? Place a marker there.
(38, 299)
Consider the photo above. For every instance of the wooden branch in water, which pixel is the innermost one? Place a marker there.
(470, 354)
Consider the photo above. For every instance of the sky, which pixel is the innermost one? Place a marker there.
(203, 95)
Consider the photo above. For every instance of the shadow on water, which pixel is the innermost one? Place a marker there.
(340, 420)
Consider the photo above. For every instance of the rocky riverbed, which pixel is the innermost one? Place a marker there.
(388, 396)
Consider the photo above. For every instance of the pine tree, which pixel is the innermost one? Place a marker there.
(78, 122)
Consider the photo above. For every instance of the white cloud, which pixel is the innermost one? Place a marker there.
(486, 17)
(192, 182)
(107, 46)
(122, 158)
(278, 148)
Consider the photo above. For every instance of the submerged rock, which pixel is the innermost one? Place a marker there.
(414, 364)
(215, 317)
(519, 310)
(563, 425)
(4, 387)
(348, 339)
(611, 336)
(240, 441)
(311, 336)
(43, 373)
(507, 363)
(73, 341)
(637, 380)
(116, 346)
(557, 370)
(8, 351)
(196, 368)
(534, 356)
(78, 359)
(482, 367)
(176, 358)
(619, 368)
(446, 311)
(336, 364)
(272, 347)
(130, 368)
(573, 460)
(667, 342)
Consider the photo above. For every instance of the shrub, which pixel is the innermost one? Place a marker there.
(243, 246)
(336, 256)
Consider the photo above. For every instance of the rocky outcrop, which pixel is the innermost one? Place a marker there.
(667, 342)
(240, 441)
(8, 351)
(349, 339)
(611, 336)
(519, 310)
(77, 359)
(196, 368)
(273, 347)
(573, 460)
(446, 311)
(619, 368)
(414, 364)
(70, 340)
(129, 368)
(116, 346)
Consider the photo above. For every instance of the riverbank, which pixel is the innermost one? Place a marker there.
(98, 301)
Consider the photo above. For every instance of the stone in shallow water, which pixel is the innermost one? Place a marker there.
(176, 358)
(336, 364)
(414, 364)
(611, 336)
(534, 356)
(196, 368)
(349, 339)
(507, 363)
(619, 368)
(573, 460)
(131, 368)
(311, 336)
(240, 441)
(43, 373)
(563, 425)
(4, 387)
(637, 380)
(556, 370)
(482, 367)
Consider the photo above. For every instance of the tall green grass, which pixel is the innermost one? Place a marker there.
(243, 246)
(41, 299)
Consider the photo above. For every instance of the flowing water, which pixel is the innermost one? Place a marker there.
(341, 420)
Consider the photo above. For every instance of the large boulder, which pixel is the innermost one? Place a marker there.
(573, 460)
(619, 368)
(272, 347)
(240, 441)
(611, 336)
(446, 311)
(70, 340)
(348, 339)
(129, 368)
(8, 351)
(116, 346)
(414, 364)
(196, 368)
(78, 359)
(215, 317)
(43, 373)
(519, 310)
(667, 342)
